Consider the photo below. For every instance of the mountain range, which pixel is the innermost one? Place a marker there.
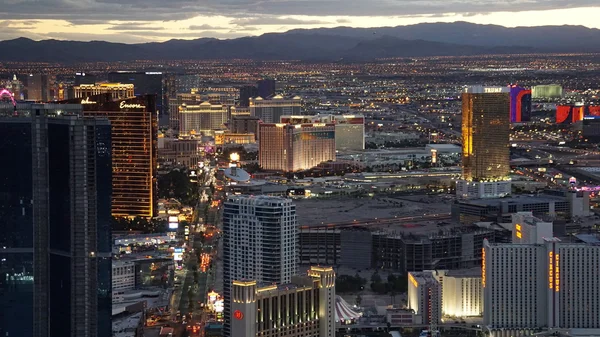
(323, 44)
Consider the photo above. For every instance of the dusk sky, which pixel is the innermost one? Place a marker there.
(160, 20)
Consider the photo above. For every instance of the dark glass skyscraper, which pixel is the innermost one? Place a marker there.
(247, 92)
(266, 88)
(145, 83)
(56, 233)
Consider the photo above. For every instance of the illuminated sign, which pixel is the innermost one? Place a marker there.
(238, 315)
(518, 230)
(483, 267)
(556, 274)
(550, 270)
(173, 219)
(124, 105)
(153, 73)
(87, 101)
(412, 280)
(173, 225)
(319, 124)
(492, 90)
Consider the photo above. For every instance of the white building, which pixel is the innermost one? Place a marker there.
(529, 229)
(286, 309)
(260, 236)
(349, 129)
(425, 297)
(554, 285)
(480, 190)
(462, 292)
(123, 278)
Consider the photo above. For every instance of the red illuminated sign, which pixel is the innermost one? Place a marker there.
(238, 315)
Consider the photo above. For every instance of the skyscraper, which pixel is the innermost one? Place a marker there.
(271, 110)
(290, 148)
(520, 104)
(260, 236)
(485, 143)
(56, 226)
(266, 88)
(37, 87)
(117, 90)
(176, 102)
(204, 118)
(145, 83)
(134, 151)
(247, 92)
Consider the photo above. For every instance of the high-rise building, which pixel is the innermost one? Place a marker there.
(116, 90)
(304, 307)
(260, 237)
(145, 83)
(55, 261)
(425, 297)
(244, 125)
(37, 87)
(568, 114)
(529, 229)
(84, 78)
(204, 118)
(266, 88)
(291, 148)
(247, 92)
(520, 104)
(271, 110)
(134, 151)
(485, 143)
(177, 101)
(349, 129)
(546, 91)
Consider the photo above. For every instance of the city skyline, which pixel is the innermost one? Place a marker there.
(127, 23)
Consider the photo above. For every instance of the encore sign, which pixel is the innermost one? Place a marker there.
(124, 105)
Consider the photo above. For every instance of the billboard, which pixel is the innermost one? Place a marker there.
(173, 225)
(173, 219)
(178, 254)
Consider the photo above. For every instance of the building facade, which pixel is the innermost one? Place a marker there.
(520, 104)
(260, 236)
(266, 87)
(116, 90)
(204, 118)
(425, 297)
(180, 151)
(485, 142)
(304, 307)
(134, 151)
(291, 148)
(244, 125)
(271, 110)
(349, 129)
(56, 257)
(175, 102)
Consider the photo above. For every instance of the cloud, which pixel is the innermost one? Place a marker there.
(342, 21)
(160, 10)
(271, 21)
(134, 26)
(204, 27)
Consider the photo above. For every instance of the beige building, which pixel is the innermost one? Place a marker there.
(204, 118)
(180, 151)
(270, 110)
(305, 307)
(291, 148)
(117, 90)
(224, 138)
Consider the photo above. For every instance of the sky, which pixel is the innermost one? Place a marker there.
(136, 21)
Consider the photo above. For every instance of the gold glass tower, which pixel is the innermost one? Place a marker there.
(134, 133)
(486, 134)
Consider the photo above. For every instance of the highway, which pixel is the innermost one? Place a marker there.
(383, 221)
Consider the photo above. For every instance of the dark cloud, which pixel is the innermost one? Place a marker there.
(258, 21)
(151, 10)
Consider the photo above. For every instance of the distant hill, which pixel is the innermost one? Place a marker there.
(323, 44)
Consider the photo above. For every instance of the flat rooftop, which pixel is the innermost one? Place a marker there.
(519, 199)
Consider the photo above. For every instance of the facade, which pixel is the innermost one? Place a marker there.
(303, 307)
(520, 104)
(145, 83)
(553, 285)
(134, 151)
(123, 276)
(260, 236)
(191, 98)
(349, 129)
(56, 257)
(425, 297)
(180, 151)
(224, 138)
(529, 229)
(462, 292)
(270, 110)
(291, 148)
(247, 92)
(591, 128)
(37, 88)
(204, 118)
(485, 142)
(116, 90)
(546, 91)
(266, 88)
(569, 114)
(244, 125)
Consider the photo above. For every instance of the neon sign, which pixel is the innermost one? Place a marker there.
(5, 92)
(556, 274)
(87, 101)
(124, 105)
(412, 280)
(483, 267)
(550, 270)
(238, 315)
